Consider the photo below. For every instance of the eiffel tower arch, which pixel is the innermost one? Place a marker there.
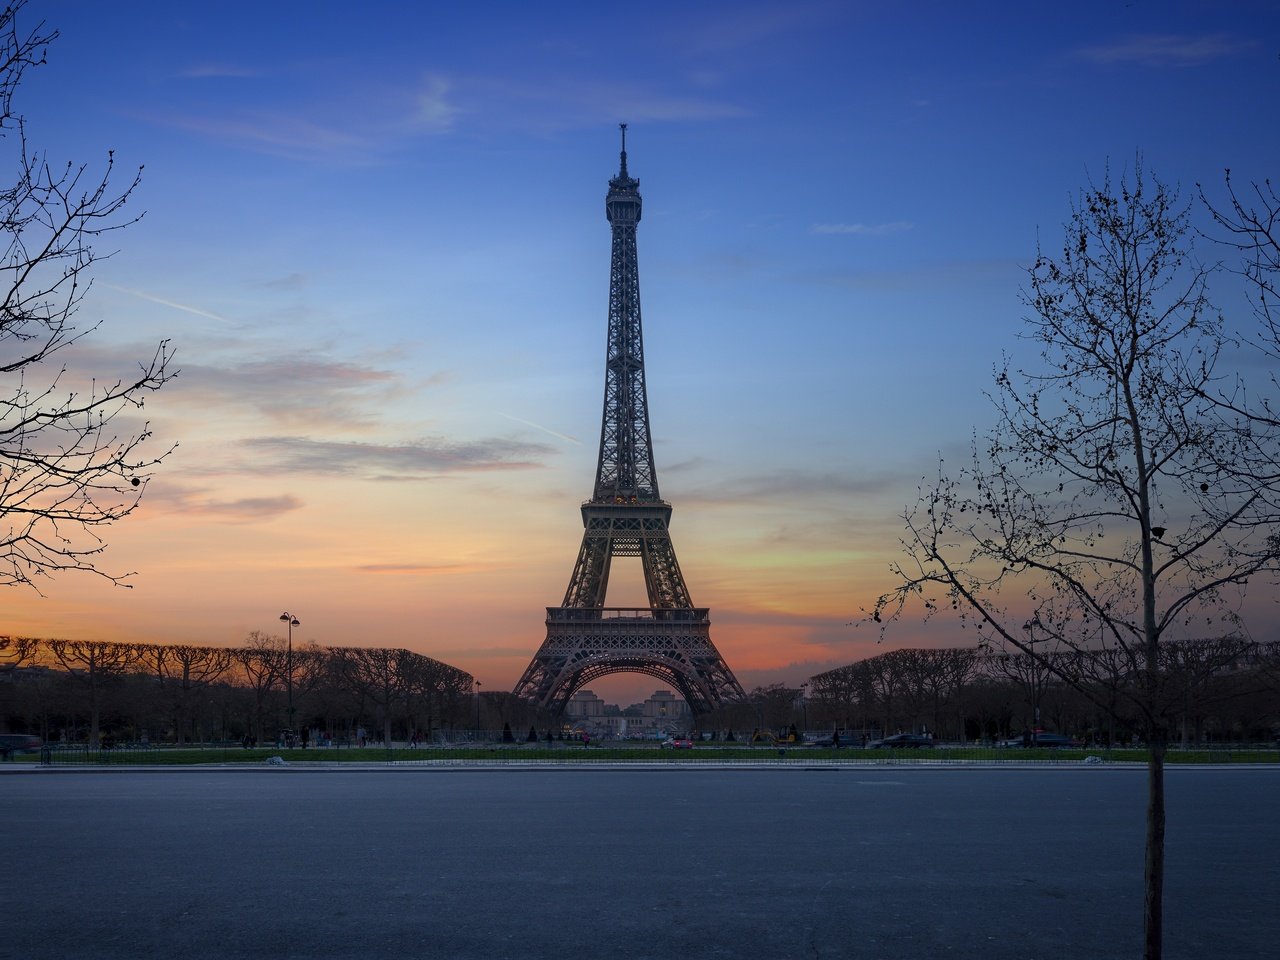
(670, 639)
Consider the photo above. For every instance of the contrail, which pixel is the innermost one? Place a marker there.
(168, 303)
(538, 426)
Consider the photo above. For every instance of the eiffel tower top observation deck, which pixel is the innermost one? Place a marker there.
(627, 517)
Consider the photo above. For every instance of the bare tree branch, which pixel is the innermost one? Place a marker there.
(71, 451)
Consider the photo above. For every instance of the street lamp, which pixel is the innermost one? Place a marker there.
(477, 683)
(292, 622)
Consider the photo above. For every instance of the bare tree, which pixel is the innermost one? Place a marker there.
(95, 664)
(261, 662)
(15, 651)
(1199, 675)
(431, 687)
(182, 671)
(774, 705)
(311, 667)
(1029, 675)
(887, 691)
(1108, 504)
(848, 694)
(950, 672)
(71, 457)
(376, 674)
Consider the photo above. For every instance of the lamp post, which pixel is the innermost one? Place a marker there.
(804, 705)
(292, 622)
(477, 683)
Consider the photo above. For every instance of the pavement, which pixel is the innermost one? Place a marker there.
(887, 862)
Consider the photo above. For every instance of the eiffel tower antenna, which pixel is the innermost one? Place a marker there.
(627, 517)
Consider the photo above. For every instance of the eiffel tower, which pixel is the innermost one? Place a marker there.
(626, 517)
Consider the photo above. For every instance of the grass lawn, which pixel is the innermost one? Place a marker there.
(629, 753)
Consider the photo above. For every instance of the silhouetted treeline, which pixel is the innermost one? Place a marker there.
(85, 690)
(1210, 691)
(1225, 690)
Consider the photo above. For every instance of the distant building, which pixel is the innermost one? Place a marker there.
(662, 714)
(584, 703)
(664, 706)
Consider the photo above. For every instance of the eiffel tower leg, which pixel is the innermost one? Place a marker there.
(662, 577)
(590, 579)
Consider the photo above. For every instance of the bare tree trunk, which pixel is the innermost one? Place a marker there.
(1153, 907)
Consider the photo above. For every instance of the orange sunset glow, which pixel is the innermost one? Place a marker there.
(382, 260)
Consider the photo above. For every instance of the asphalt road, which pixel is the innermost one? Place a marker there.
(863, 863)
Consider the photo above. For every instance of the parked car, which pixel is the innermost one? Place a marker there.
(902, 740)
(1043, 738)
(11, 743)
(677, 743)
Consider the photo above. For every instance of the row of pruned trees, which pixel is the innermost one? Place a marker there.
(1216, 689)
(79, 690)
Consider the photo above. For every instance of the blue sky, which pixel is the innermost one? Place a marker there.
(376, 235)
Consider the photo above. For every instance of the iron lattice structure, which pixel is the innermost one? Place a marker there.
(627, 517)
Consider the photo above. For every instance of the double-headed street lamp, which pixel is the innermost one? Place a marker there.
(292, 621)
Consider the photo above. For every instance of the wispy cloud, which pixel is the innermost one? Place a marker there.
(795, 484)
(419, 459)
(282, 134)
(435, 110)
(291, 281)
(864, 229)
(410, 568)
(169, 498)
(985, 274)
(248, 509)
(807, 482)
(559, 103)
(357, 124)
(293, 389)
(1166, 50)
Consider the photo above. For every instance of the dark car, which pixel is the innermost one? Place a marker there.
(11, 743)
(902, 740)
(677, 743)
